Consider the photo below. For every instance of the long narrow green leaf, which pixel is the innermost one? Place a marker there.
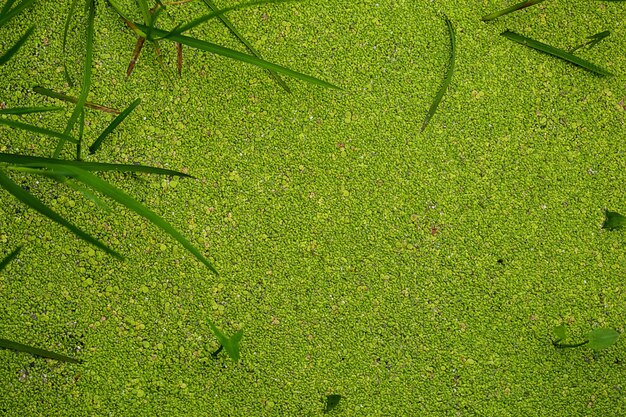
(593, 41)
(64, 97)
(10, 14)
(66, 28)
(7, 6)
(511, 9)
(86, 83)
(115, 123)
(448, 76)
(13, 50)
(41, 162)
(239, 56)
(9, 258)
(36, 129)
(9, 344)
(130, 203)
(559, 53)
(28, 110)
(247, 44)
(37, 205)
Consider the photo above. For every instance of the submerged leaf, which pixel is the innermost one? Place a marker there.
(18, 347)
(613, 220)
(602, 338)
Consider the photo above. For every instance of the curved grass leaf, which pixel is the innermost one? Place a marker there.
(37, 205)
(36, 129)
(593, 41)
(18, 347)
(245, 42)
(559, 53)
(8, 13)
(28, 110)
(60, 96)
(230, 344)
(13, 50)
(41, 162)
(66, 28)
(86, 83)
(511, 9)
(9, 258)
(239, 56)
(448, 76)
(130, 203)
(115, 123)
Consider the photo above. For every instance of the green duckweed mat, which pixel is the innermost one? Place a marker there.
(413, 273)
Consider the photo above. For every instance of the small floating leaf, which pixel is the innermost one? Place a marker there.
(602, 338)
(332, 401)
(613, 220)
(18, 347)
(559, 53)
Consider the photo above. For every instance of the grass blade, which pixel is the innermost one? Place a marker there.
(6, 6)
(514, 8)
(245, 42)
(37, 205)
(28, 110)
(130, 203)
(11, 13)
(86, 83)
(135, 57)
(559, 53)
(13, 50)
(36, 129)
(66, 28)
(230, 344)
(18, 347)
(41, 162)
(60, 96)
(593, 41)
(115, 123)
(9, 258)
(239, 56)
(448, 76)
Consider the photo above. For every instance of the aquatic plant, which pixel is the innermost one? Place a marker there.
(229, 344)
(597, 339)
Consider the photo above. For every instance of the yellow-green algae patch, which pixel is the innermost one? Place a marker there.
(413, 274)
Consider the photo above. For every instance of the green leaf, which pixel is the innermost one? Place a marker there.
(332, 401)
(245, 42)
(448, 76)
(60, 96)
(230, 344)
(28, 110)
(11, 13)
(130, 203)
(115, 123)
(511, 9)
(559, 53)
(37, 205)
(239, 56)
(9, 258)
(560, 332)
(36, 129)
(13, 50)
(602, 338)
(41, 162)
(66, 27)
(613, 220)
(593, 41)
(18, 347)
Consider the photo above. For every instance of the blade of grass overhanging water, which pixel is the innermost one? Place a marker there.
(86, 83)
(593, 41)
(515, 7)
(245, 42)
(115, 123)
(41, 162)
(81, 131)
(9, 258)
(28, 110)
(37, 205)
(447, 77)
(18, 347)
(130, 203)
(239, 56)
(13, 50)
(66, 28)
(11, 13)
(36, 129)
(60, 96)
(559, 53)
